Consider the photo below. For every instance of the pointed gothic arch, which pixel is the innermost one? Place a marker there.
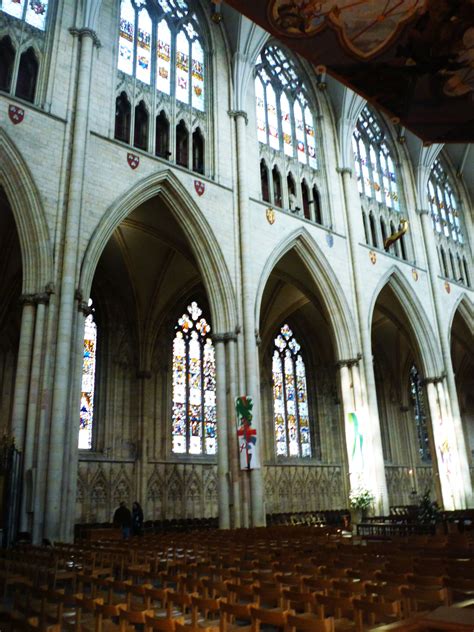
(200, 236)
(331, 294)
(419, 324)
(29, 216)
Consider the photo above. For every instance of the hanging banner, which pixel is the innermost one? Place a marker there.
(355, 444)
(246, 434)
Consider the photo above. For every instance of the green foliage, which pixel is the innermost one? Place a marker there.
(428, 510)
(361, 498)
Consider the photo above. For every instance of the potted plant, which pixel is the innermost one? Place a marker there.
(360, 501)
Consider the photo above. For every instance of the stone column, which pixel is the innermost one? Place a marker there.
(27, 510)
(455, 416)
(368, 390)
(59, 444)
(222, 439)
(146, 418)
(232, 380)
(249, 324)
(22, 377)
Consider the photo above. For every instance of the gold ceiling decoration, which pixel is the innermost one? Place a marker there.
(364, 27)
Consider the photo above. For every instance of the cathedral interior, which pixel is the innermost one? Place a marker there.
(210, 203)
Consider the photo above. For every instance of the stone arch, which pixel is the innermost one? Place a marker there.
(204, 245)
(331, 293)
(25, 202)
(424, 336)
(466, 309)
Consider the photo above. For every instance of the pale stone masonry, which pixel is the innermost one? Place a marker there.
(76, 221)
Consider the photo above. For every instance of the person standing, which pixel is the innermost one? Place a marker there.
(137, 518)
(123, 519)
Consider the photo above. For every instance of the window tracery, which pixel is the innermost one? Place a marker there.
(162, 57)
(194, 427)
(377, 180)
(33, 12)
(446, 218)
(88, 383)
(285, 128)
(290, 397)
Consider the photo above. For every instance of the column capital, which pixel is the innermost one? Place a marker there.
(83, 307)
(433, 380)
(350, 362)
(42, 297)
(28, 299)
(80, 33)
(224, 337)
(235, 114)
(422, 211)
(344, 170)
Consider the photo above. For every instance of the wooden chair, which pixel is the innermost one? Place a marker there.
(163, 624)
(273, 618)
(230, 613)
(202, 611)
(375, 612)
(416, 599)
(297, 623)
(128, 620)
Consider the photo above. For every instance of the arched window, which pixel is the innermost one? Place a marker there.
(194, 386)
(383, 230)
(290, 397)
(88, 383)
(7, 60)
(317, 206)
(446, 216)
(443, 204)
(416, 391)
(163, 35)
(284, 115)
(292, 199)
(373, 230)
(305, 198)
(277, 197)
(162, 136)
(122, 118)
(33, 12)
(140, 135)
(264, 181)
(182, 144)
(466, 273)
(27, 76)
(376, 175)
(198, 151)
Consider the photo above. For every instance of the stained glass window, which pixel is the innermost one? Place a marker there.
(34, 12)
(416, 391)
(167, 31)
(194, 385)
(375, 170)
(290, 397)
(88, 383)
(284, 119)
(443, 207)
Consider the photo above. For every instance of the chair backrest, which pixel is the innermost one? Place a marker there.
(376, 612)
(132, 617)
(297, 623)
(162, 624)
(335, 606)
(276, 619)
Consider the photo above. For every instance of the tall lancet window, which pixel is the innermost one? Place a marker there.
(163, 34)
(33, 12)
(284, 116)
(290, 397)
(194, 385)
(416, 390)
(88, 383)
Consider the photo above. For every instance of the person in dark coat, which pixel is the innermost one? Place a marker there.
(123, 519)
(137, 518)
